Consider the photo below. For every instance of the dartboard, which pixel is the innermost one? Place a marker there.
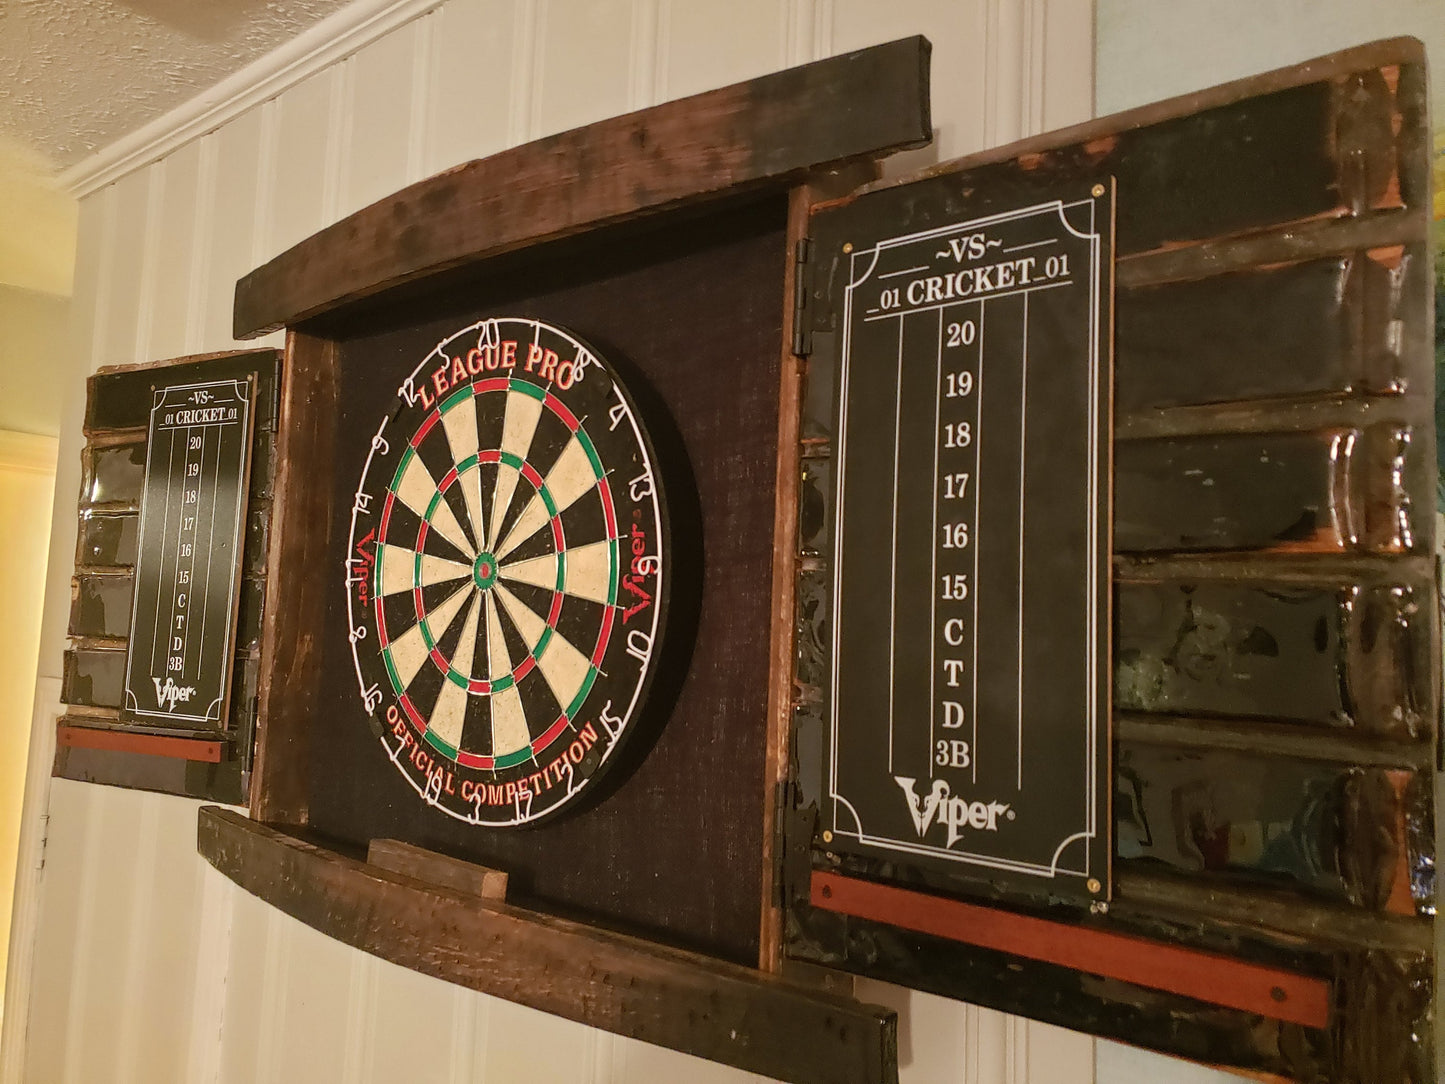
(506, 574)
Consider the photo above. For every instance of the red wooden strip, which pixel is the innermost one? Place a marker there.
(1219, 980)
(156, 745)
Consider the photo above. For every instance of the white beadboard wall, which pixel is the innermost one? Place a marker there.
(132, 960)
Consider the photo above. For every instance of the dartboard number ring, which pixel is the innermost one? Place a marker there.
(506, 574)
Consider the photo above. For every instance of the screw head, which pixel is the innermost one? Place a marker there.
(1093, 885)
(1277, 992)
(827, 836)
(848, 246)
(1098, 190)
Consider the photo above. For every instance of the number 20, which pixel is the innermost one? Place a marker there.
(962, 334)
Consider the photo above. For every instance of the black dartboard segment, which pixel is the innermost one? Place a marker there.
(506, 577)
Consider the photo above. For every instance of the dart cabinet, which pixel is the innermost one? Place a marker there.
(172, 744)
(1212, 315)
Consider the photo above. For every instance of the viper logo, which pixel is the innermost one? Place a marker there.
(957, 813)
(922, 810)
(170, 694)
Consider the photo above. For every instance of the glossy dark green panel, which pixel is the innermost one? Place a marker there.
(107, 539)
(1331, 831)
(93, 677)
(114, 473)
(100, 606)
(1231, 492)
(1322, 327)
(249, 613)
(1333, 653)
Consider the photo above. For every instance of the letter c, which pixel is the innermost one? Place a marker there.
(953, 636)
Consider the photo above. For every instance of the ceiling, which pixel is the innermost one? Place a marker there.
(75, 75)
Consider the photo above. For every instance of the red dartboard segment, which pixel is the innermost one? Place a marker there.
(425, 428)
(443, 677)
(562, 412)
(550, 735)
(603, 636)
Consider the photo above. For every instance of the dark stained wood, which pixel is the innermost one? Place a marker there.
(1220, 980)
(438, 869)
(212, 782)
(780, 633)
(1272, 739)
(1239, 910)
(156, 745)
(119, 396)
(1277, 637)
(294, 588)
(622, 984)
(1311, 142)
(767, 131)
(785, 545)
(672, 850)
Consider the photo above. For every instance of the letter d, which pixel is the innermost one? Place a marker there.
(952, 715)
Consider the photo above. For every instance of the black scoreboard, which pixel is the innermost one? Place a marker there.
(187, 568)
(967, 730)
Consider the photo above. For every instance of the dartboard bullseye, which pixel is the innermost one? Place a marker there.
(506, 576)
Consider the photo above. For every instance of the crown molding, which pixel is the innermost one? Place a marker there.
(332, 39)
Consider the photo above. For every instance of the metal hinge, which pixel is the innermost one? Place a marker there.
(781, 810)
(802, 286)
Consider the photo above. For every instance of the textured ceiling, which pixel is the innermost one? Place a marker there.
(76, 75)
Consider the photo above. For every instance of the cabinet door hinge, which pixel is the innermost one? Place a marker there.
(802, 287)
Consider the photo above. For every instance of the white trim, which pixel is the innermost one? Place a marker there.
(334, 38)
(30, 860)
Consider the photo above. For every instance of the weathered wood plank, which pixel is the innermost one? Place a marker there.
(119, 396)
(1142, 896)
(1215, 979)
(767, 131)
(792, 380)
(1336, 138)
(128, 741)
(608, 980)
(220, 782)
(438, 869)
(300, 532)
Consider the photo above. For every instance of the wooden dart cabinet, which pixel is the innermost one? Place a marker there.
(1052, 613)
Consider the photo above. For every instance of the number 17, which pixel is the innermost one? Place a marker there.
(954, 485)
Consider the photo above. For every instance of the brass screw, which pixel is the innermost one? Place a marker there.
(1098, 190)
(827, 836)
(848, 246)
(1093, 885)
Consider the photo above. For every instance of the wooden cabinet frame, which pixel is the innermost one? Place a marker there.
(805, 133)
(813, 135)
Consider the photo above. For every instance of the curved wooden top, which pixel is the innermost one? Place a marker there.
(766, 131)
(622, 984)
